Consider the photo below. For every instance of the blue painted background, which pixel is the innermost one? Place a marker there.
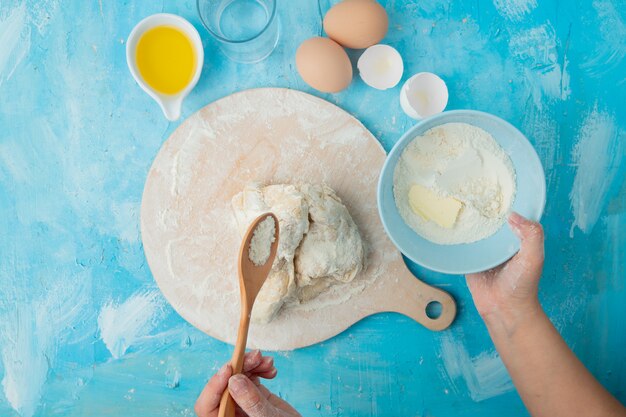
(83, 329)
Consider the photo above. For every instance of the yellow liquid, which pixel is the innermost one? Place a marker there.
(166, 59)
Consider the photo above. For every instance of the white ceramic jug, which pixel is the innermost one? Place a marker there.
(171, 104)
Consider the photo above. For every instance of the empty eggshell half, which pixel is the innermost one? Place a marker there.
(380, 67)
(324, 65)
(423, 95)
(356, 24)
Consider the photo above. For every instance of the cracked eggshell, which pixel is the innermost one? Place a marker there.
(381, 67)
(324, 65)
(356, 24)
(423, 95)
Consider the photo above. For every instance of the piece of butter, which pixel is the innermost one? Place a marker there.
(432, 207)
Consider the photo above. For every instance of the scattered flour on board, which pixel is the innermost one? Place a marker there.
(464, 162)
(261, 243)
(178, 250)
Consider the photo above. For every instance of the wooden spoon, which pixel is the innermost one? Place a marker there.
(251, 279)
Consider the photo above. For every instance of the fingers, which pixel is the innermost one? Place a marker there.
(271, 374)
(249, 398)
(251, 360)
(209, 399)
(531, 255)
(531, 235)
(264, 391)
(264, 367)
(254, 365)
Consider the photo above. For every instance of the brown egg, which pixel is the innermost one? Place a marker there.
(324, 65)
(356, 24)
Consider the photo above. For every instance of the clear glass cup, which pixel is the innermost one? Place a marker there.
(247, 30)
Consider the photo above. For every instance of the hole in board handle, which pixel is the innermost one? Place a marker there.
(433, 310)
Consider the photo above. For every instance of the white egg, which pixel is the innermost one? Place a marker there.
(380, 67)
(423, 95)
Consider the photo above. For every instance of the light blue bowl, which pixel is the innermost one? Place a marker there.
(530, 199)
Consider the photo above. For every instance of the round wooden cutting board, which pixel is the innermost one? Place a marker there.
(269, 135)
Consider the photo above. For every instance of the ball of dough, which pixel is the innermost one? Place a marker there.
(332, 249)
(319, 244)
(289, 206)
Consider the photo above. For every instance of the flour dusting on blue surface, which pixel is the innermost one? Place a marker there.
(122, 325)
(84, 331)
(514, 9)
(537, 48)
(610, 53)
(14, 41)
(597, 156)
(484, 375)
(34, 335)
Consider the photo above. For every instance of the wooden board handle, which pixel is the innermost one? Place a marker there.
(413, 298)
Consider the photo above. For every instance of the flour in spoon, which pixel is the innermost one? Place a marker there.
(464, 162)
(261, 243)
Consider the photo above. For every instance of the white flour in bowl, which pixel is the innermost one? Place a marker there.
(464, 162)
